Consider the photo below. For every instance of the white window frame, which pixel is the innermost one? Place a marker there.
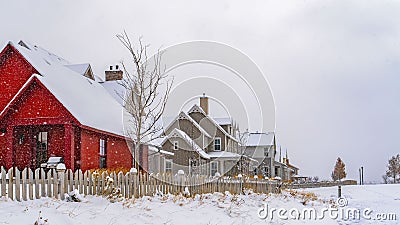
(165, 165)
(220, 144)
(211, 167)
(102, 150)
(103, 153)
(176, 145)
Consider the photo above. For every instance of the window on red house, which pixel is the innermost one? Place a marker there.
(103, 153)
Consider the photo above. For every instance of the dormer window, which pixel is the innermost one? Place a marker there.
(217, 144)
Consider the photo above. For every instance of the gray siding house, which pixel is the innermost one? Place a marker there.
(262, 147)
(198, 144)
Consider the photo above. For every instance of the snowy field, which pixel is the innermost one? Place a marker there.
(214, 208)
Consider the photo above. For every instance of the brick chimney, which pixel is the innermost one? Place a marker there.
(114, 73)
(204, 103)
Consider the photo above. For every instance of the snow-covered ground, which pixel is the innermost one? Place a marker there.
(217, 208)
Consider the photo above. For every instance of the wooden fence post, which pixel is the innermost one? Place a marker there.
(55, 184)
(70, 180)
(49, 184)
(85, 182)
(3, 182)
(11, 183)
(62, 184)
(30, 184)
(42, 182)
(24, 187)
(80, 181)
(90, 183)
(102, 182)
(17, 184)
(37, 184)
(127, 186)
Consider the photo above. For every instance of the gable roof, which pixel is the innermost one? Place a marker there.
(178, 133)
(196, 108)
(183, 115)
(260, 139)
(84, 98)
(79, 68)
(223, 120)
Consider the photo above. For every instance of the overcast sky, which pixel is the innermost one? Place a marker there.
(333, 66)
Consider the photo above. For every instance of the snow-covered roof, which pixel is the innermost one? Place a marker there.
(260, 139)
(183, 115)
(79, 68)
(158, 141)
(223, 120)
(88, 101)
(196, 108)
(115, 89)
(179, 133)
(224, 154)
(157, 150)
(98, 78)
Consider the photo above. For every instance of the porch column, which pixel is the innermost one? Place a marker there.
(9, 146)
(69, 147)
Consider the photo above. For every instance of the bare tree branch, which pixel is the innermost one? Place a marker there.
(147, 93)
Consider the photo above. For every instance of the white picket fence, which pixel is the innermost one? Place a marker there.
(27, 184)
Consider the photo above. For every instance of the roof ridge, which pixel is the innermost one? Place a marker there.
(195, 106)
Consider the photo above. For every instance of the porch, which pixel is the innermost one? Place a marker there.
(31, 142)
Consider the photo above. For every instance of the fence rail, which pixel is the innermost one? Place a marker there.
(319, 184)
(27, 184)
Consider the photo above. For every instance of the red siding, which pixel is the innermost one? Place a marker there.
(38, 102)
(77, 143)
(14, 72)
(3, 146)
(22, 152)
(118, 153)
(89, 150)
(56, 140)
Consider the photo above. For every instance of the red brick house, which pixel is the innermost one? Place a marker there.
(49, 107)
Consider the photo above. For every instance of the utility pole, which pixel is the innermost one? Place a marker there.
(361, 172)
(362, 175)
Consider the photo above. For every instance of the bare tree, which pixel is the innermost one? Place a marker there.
(394, 167)
(147, 89)
(339, 172)
(385, 179)
(243, 164)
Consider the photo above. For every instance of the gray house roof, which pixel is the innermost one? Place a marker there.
(183, 115)
(260, 139)
(223, 120)
(178, 133)
(196, 108)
